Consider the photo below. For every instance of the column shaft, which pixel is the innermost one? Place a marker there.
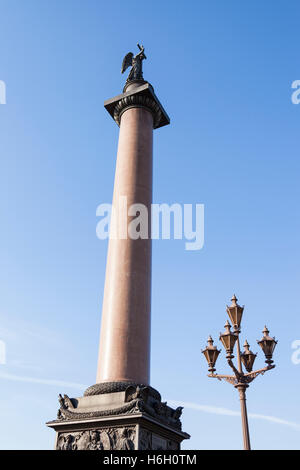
(124, 353)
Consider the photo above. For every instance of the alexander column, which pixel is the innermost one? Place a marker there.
(122, 411)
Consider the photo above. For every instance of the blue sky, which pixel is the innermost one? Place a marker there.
(223, 71)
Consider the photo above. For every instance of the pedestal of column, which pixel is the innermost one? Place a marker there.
(122, 417)
(122, 411)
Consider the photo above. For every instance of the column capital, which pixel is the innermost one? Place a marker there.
(140, 97)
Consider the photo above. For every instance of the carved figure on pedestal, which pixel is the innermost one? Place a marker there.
(124, 440)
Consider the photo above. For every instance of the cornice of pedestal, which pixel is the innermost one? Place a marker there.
(113, 399)
(140, 97)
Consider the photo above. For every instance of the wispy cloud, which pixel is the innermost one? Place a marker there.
(24, 331)
(225, 411)
(194, 406)
(57, 383)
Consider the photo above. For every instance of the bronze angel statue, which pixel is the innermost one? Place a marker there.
(135, 62)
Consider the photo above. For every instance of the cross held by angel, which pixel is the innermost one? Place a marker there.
(135, 62)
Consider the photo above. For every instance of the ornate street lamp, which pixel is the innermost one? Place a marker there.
(235, 312)
(240, 380)
(248, 357)
(228, 339)
(211, 354)
(267, 344)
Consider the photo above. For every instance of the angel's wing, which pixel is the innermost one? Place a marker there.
(127, 62)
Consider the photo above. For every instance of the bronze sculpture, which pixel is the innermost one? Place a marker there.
(135, 62)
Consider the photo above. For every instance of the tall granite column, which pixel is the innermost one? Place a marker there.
(124, 353)
(122, 411)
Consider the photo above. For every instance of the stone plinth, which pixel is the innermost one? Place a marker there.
(132, 417)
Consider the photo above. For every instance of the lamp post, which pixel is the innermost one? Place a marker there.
(240, 379)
